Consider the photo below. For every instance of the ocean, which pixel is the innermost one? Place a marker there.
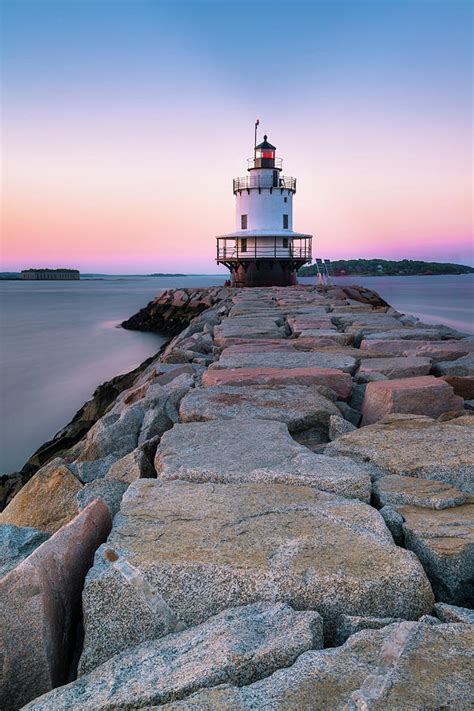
(59, 341)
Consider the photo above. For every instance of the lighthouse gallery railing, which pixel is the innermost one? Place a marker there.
(250, 182)
(298, 248)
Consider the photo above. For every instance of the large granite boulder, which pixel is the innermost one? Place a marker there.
(436, 350)
(134, 465)
(426, 333)
(139, 415)
(443, 540)
(336, 380)
(412, 665)
(238, 646)
(461, 367)
(40, 605)
(206, 547)
(301, 359)
(47, 501)
(257, 327)
(110, 491)
(16, 544)
(395, 490)
(414, 446)
(424, 395)
(298, 406)
(245, 450)
(404, 367)
(453, 613)
(462, 385)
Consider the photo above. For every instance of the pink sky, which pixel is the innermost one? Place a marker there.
(117, 167)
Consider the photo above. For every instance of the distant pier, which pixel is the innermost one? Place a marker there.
(56, 274)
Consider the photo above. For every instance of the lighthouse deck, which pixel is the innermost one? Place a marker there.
(229, 247)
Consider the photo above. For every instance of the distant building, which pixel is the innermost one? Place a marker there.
(50, 274)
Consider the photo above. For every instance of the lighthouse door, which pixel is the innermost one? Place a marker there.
(275, 178)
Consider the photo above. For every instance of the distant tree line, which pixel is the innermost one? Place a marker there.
(373, 267)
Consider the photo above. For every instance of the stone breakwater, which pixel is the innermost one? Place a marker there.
(274, 512)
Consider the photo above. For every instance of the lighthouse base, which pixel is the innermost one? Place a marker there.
(263, 272)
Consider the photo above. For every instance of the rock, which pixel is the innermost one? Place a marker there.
(305, 322)
(424, 395)
(397, 490)
(412, 665)
(443, 540)
(303, 359)
(221, 545)
(239, 646)
(262, 452)
(16, 544)
(109, 490)
(405, 367)
(259, 327)
(327, 337)
(350, 624)
(433, 333)
(462, 386)
(331, 378)
(452, 613)
(40, 601)
(339, 426)
(394, 523)
(298, 406)
(120, 609)
(463, 367)
(47, 501)
(436, 350)
(414, 446)
(348, 413)
(135, 465)
(469, 405)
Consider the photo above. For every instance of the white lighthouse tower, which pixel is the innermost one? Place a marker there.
(264, 250)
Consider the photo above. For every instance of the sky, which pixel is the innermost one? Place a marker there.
(123, 123)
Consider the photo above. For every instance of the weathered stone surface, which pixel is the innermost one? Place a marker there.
(443, 540)
(262, 452)
(396, 490)
(412, 665)
(350, 624)
(414, 446)
(462, 386)
(239, 646)
(309, 359)
(135, 465)
(453, 613)
(433, 333)
(258, 327)
(404, 367)
(394, 523)
(206, 547)
(323, 337)
(462, 366)
(437, 350)
(120, 609)
(424, 395)
(298, 406)
(109, 490)
(16, 544)
(306, 322)
(339, 426)
(40, 605)
(331, 378)
(47, 501)
(139, 414)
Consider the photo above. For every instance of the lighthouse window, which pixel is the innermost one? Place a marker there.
(285, 241)
(285, 222)
(243, 243)
(285, 199)
(243, 222)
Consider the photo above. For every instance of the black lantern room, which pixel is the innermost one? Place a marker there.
(264, 155)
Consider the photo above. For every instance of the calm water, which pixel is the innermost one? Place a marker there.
(59, 341)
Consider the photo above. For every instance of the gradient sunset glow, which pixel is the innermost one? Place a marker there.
(124, 123)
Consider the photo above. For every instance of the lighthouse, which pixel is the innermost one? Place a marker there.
(264, 250)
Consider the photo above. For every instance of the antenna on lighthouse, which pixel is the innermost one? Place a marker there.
(257, 122)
